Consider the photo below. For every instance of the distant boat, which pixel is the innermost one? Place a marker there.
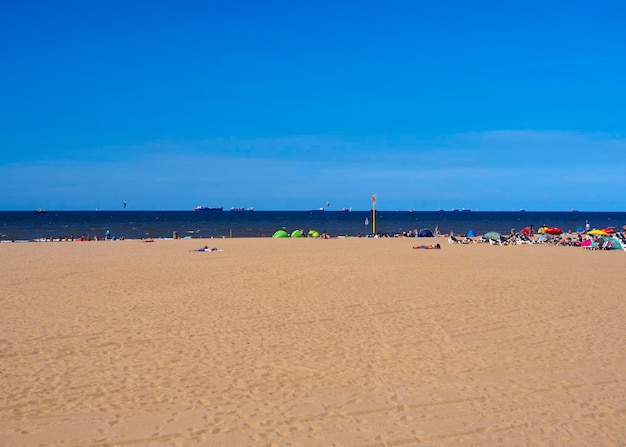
(574, 210)
(208, 208)
(466, 210)
(522, 210)
(41, 211)
(346, 210)
(241, 209)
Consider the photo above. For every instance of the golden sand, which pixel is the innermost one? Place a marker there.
(302, 342)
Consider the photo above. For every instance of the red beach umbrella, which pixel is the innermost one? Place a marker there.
(609, 230)
(554, 231)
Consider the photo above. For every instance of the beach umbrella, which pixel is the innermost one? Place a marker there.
(492, 235)
(296, 233)
(554, 231)
(598, 232)
(314, 233)
(609, 230)
(280, 233)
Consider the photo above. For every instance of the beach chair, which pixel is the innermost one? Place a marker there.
(453, 240)
(502, 241)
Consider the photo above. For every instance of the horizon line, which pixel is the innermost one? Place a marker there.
(248, 211)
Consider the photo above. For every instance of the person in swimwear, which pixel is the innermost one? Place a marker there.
(428, 247)
(206, 248)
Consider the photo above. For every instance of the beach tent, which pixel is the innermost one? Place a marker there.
(296, 233)
(280, 233)
(471, 233)
(425, 232)
(610, 243)
(492, 236)
(314, 233)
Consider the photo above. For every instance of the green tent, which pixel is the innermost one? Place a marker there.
(280, 233)
(296, 233)
(314, 233)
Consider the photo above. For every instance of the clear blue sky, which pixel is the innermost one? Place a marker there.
(285, 105)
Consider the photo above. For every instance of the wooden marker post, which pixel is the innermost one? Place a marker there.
(374, 214)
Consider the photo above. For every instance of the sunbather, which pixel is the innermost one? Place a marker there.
(428, 247)
(206, 248)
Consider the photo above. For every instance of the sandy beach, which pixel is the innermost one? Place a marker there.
(308, 342)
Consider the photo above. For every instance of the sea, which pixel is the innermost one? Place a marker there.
(39, 226)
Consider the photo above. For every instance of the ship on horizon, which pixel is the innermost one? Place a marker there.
(242, 209)
(208, 208)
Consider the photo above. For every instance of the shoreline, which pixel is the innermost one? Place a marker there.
(134, 225)
(577, 239)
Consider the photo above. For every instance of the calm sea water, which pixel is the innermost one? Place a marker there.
(29, 225)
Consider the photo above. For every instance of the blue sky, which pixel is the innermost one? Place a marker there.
(285, 105)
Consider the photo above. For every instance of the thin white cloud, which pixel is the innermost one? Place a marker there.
(511, 164)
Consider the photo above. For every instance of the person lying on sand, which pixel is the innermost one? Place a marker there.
(428, 247)
(206, 248)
